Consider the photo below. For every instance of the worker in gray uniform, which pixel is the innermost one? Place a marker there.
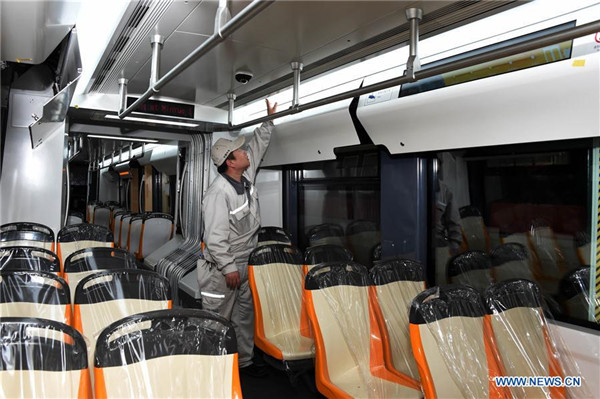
(231, 221)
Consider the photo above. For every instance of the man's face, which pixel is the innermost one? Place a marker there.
(241, 160)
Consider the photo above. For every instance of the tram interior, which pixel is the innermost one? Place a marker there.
(418, 240)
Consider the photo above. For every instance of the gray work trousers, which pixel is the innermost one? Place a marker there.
(236, 306)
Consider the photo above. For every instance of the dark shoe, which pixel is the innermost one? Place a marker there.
(254, 371)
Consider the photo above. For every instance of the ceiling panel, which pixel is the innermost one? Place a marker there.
(318, 33)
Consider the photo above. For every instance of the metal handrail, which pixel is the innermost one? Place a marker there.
(234, 24)
(532, 44)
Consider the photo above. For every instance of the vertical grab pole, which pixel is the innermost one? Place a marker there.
(156, 42)
(413, 64)
(122, 94)
(297, 68)
(231, 98)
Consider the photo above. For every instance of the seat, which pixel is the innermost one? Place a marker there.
(349, 353)
(452, 345)
(34, 294)
(474, 231)
(273, 235)
(575, 292)
(522, 336)
(75, 218)
(118, 216)
(42, 359)
(549, 255)
(26, 234)
(275, 276)
(102, 216)
(29, 258)
(81, 236)
(473, 268)
(113, 210)
(396, 282)
(510, 261)
(124, 230)
(107, 296)
(89, 211)
(183, 353)
(157, 230)
(84, 262)
(135, 233)
(582, 242)
(363, 236)
(325, 253)
(326, 233)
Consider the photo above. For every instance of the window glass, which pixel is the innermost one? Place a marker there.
(508, 213)
(339, 203)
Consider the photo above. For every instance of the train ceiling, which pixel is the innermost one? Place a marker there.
(323, 35)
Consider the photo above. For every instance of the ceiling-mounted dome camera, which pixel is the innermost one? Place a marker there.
(243, 76)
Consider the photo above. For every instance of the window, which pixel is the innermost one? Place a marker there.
(516, 212)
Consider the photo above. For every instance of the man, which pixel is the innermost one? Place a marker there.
(231, 222)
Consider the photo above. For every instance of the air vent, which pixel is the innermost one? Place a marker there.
(134, 32)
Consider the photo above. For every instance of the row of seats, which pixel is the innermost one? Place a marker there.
(180, 353)
(69, 238)
(109, 288)
(141, 234)
(547, 249)
(358, 322)
(462, 340)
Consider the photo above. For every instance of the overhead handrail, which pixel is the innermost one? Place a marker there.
(492, 55)
(234, 24)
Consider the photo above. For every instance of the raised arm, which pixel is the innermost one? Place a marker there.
(259, 143)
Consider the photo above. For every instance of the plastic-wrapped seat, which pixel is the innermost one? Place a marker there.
(349, 353)
(325, 253)
(113, 211)
(522, 337)
(29, 258)
(89, 211)
(452, 344)
(473, 268)
(474, 230)
(326, 233)
(396, 283)
(84, 262)
(363, 236)
(510, 261)
(42, 359)
(26, 234)
(181, 353)
(550, 257)
(575, 292)
(118, 217)
(275, 276)
(273, 235)
(124, 230)
(34, 294)
(107, 296)
(157, 230)
(75, 218)
(135, 233)
(582, 243)
(81, 236)
(102, 216)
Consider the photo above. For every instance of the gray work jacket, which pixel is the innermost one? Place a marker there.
(232, 220)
